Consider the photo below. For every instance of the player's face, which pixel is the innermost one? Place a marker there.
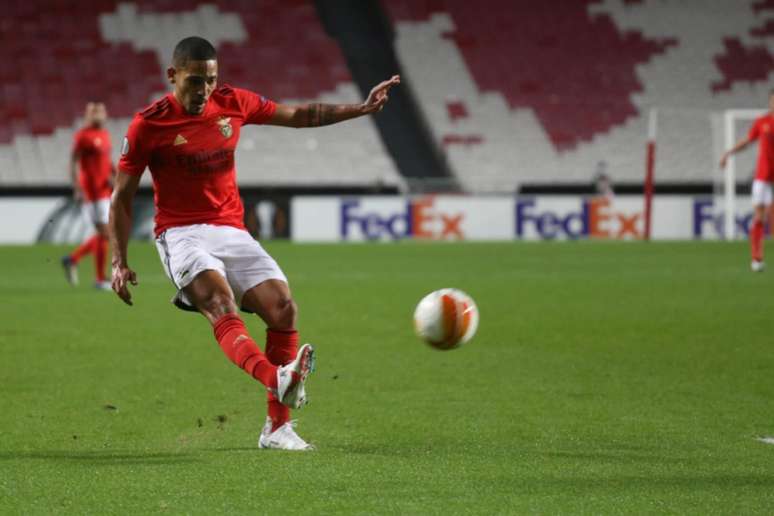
(194, 83)
(99, 115)
(95, 113)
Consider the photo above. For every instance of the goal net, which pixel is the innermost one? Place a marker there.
(684, 146)
(740, 168)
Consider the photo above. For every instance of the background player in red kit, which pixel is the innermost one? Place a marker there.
(761, 131)
(187, 140)
(91, 168)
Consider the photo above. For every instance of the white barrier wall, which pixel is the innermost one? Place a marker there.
(339, 219)
(333, 219)
(22, 219)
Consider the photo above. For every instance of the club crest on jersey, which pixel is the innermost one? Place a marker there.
(225, 126)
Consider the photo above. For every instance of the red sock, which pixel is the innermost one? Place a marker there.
(236, 343)
(85, 248)
(281, 348)
(756, 241)
(277, 412)
(100, 254)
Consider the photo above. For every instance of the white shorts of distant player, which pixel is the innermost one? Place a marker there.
(96, 212)
(761, 193)
(186, 251)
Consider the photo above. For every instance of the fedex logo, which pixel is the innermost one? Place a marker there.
(707, 220)
(595, 219)
(417, 218)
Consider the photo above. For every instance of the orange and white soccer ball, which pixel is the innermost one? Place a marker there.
(446, 318)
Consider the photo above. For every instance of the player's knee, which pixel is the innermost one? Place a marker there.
(283, 314)
(216, 305)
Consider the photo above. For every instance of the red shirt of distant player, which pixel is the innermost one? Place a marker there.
(763, 131)
(191, 157)
(92, 145)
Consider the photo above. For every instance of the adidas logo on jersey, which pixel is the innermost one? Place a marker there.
(180, 140)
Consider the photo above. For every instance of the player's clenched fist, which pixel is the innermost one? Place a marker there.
(122, 277)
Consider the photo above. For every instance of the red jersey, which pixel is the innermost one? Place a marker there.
(191, 157)
(763, 131)
(92, 145)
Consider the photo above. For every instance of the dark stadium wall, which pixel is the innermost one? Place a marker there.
(366, 39)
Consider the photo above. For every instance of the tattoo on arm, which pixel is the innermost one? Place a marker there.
(320, 114)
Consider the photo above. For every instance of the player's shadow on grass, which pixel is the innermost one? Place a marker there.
(246, 449)
(102, 458)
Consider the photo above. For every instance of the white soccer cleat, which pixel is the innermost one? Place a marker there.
(302, 395)
(291, 378)
(70, 270)
(283, 438)
(757, 266)
(266, 430)
(102, 285)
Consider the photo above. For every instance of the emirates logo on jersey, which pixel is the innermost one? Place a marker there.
(225, 127)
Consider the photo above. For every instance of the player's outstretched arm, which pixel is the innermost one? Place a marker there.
(740, 145)
(316, 115)
(77, 193)
(120, 225)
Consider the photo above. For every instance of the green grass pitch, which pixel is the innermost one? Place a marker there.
(605, 378)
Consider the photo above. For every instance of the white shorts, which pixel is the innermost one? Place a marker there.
(96, 212)
(761, 193)
(187, 251)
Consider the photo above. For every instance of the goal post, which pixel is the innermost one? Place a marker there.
(684, 145)
(678, 148)
(650, 163)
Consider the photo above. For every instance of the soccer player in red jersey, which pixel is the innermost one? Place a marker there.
(92, 174)
(761, 131)
(187, 140)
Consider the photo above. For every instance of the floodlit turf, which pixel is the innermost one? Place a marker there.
(605, 378)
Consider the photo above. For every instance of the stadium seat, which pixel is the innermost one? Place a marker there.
(117, 51)
(553, 88)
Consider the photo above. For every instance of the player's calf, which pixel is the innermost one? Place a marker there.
(239, 347)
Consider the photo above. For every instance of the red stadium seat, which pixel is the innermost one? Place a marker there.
(514, 47)
(557, 87)
(62, 60)
(63, 45)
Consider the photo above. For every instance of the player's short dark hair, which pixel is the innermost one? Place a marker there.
(193, 48)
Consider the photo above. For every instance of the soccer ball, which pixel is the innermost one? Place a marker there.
(446, 318)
